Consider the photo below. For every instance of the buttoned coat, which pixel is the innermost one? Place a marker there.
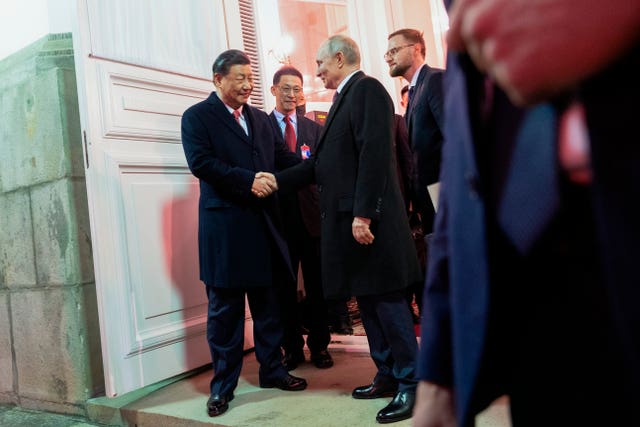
(238, 234)
(355, 170)
(425, 122)
(306, 200)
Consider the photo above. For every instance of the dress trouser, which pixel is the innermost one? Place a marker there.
(225, 334)
(392, 340)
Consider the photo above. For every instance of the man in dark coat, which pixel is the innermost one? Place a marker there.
(533, 281)
(241, 249)
(424, 118)
(301, 215)
(366, 244)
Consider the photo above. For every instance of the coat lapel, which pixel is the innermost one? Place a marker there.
(416, 92)
(220, 110)
(336, 106)
(303, 134)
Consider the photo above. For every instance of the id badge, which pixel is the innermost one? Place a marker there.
(305, 151)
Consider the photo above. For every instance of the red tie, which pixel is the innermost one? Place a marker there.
(236, 114)
(289, 134)
(573, 144)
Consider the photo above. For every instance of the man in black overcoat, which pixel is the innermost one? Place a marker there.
(366, 245)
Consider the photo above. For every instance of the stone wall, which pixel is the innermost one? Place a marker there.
(49, 337)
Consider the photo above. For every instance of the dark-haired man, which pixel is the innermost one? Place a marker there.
(241, 249)
(301, 215)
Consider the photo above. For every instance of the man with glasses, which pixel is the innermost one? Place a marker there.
(301, 215)
(406, 58)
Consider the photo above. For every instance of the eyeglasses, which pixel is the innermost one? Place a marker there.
(392, 52)
(290, 90)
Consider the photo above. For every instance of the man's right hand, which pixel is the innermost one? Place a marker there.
(264, 184)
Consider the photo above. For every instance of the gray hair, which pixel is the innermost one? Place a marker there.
(344, 44)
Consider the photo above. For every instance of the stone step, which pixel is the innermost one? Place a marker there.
(327, 402)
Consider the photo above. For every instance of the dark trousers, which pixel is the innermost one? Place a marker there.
(551, 345)
(312, 311)
(392, 340)
(225, 334)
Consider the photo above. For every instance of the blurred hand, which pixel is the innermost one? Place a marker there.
(264, 184)
(535, 49)
(434, 406)
(361, 231)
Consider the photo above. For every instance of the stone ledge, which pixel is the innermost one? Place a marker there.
(50, 51)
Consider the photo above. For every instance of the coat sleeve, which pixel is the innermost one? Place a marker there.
(205, 165)
(296, 177)
(372, 119)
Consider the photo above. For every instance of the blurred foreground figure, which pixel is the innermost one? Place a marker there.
(533, 284)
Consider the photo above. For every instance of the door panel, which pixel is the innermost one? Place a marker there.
(143, 200)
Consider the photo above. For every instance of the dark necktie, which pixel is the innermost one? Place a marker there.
(289, 134)
(412, 90)
(530, 195)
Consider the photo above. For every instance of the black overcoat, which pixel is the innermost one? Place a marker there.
(239, 236)
(355, 171)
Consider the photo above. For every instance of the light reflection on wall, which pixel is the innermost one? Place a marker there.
(308, 24)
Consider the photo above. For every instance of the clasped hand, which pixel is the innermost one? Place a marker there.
(361, 231)
(264, 184)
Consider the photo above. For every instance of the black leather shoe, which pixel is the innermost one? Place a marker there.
(322, 359)
(375, 390)
(286, 383)
(218, 404)
(400, 408)
(292, 360)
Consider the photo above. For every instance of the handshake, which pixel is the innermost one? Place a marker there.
(264, 184)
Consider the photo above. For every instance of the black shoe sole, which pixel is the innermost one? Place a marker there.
(392, 420)
(223, 408)
(377, 396)
(273, 385)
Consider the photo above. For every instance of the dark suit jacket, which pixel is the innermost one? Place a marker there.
(424, 118)
(455, 315)
(237, 232)
(404, 159)
(356, 176)
(306, 199)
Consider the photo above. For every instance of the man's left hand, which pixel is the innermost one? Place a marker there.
(361, 231)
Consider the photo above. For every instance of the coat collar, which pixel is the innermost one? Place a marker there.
(338, 102)
(220, 110)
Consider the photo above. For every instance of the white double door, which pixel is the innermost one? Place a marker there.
(139, 65)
